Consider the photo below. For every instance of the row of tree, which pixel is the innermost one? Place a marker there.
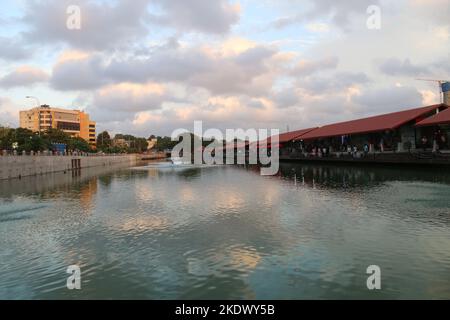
(21, 139)
(131, 144)
(25, 140)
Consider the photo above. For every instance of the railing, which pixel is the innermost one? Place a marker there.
(47, 153)
(360, 155)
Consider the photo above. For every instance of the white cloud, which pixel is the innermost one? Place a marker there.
(212, 16)
(103, 25)
(23, 76)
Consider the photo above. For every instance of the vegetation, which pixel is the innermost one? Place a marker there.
(165, 143)
(104, 141)
(128, 143)
(25, 140)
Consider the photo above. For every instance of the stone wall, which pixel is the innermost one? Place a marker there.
(12, 167)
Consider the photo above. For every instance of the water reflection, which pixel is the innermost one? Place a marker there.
(344, 176)
(227, 232)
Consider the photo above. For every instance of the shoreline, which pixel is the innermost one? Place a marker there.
(17, 167)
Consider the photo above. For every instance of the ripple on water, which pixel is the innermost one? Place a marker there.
(229, 233)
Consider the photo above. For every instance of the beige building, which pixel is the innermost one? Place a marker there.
(74, 122)
(120, 142)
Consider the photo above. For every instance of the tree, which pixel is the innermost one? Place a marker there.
(4, 138)
(104, 141)
(78, 144)
(165, 143)
(21, 139)
(56, 136)
(139, 145)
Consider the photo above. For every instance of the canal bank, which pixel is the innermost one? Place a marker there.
(14, 167)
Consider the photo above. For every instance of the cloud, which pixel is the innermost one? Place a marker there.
(13, 49)
(78, 71)
(130, 97)
(157, 65)
(397, 67)
(23, 76)
(338, 13)
(103, 25)
(388, 99)
(339, 81)
(286, 98)
(250, 71)
(308, 67)
(212, 16)
(8, 113)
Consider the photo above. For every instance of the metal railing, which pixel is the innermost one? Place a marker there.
(48, 153)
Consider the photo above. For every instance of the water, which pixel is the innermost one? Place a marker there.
(227, 233)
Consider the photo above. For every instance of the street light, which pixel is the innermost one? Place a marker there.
(35, 98)
(38, 105)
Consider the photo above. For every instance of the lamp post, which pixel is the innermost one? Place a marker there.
(38, 105)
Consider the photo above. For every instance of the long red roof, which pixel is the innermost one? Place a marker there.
(383, 122)
(442, 117)
(285, 137)
(292, 135)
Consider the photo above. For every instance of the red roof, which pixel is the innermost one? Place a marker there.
(285, 137)
(442, 117)
(236, 144)
(289, 136)
(383, 122)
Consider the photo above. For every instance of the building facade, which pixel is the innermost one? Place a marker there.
(73, 122)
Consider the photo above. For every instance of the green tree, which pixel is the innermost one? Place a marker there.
(78, 144)
(139, 145)
(165, 143)
(104, 141)
(22, 139)
(56, 136)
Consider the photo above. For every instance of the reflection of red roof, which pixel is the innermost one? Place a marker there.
(442, 117)
(382, 122)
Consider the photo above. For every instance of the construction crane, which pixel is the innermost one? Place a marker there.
(441, 87)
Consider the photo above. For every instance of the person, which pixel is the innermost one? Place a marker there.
(355, 152)
(424, 141)
(443, 141)
(435, 146)
(366, 148)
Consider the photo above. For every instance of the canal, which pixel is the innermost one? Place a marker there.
(227, 233)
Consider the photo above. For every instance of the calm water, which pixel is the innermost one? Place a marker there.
(227, 232)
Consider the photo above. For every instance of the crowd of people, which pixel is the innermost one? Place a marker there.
(438, 141)
(360, 147)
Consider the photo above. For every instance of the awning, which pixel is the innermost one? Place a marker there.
(383, 122)
(442, 117)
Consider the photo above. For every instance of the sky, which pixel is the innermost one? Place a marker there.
(152, 66)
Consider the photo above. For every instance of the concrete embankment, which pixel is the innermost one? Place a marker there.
(12, 167)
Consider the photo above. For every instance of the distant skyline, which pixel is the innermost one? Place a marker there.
(148, 67)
